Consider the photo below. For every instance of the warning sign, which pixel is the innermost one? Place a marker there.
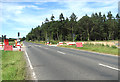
(6, 42)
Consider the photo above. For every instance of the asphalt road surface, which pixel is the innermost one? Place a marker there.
(56, 63)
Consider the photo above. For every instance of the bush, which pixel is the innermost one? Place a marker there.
(113, 46)
(107, 45)
(54, 42)
(102, 44)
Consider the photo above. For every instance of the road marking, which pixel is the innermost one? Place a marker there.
(104, 54)
(61, 52)
(28, 60)
(33, 73)
(45, 48)
(109, 67)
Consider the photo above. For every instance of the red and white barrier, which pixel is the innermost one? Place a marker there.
(60, 43)
(2, 44)
(48, 43)
(71, 43)
(19, 46)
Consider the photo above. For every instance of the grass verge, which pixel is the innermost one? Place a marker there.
(101, 48)
(38, 42)
(96, 48)
(13, 65)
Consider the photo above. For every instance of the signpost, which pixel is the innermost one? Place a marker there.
(18, 34)
(2, 40)
(6, 42)
(18, 42)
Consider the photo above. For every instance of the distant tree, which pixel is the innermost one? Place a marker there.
(73, 19)
(46, 20)
(23, 39)
(52, 17)
(61, 17)
(96, 27)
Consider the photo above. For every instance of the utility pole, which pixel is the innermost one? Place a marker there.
(18, 34)
(2, 40)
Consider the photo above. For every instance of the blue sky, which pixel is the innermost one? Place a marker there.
(22, 16)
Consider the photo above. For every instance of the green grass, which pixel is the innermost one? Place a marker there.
(99, 41)
(13, 65)
(101, 48)
(38, 42)
(96, 48)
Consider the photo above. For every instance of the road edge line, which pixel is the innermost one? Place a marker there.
(33, 73)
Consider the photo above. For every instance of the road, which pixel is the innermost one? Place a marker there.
(56, 63)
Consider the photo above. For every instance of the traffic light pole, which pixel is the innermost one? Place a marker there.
(2, 40)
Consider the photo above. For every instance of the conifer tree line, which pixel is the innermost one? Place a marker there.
(95, 27)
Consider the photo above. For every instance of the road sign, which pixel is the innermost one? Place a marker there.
(6, 42)
(79, 44)
(18, 34)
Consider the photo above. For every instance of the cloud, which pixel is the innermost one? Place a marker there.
(34, 7)
(21, 29)
(22, 16)
(57, 0)
(82, 8)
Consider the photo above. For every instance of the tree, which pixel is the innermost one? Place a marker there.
(52, 17)
(73, 19)
(61, 17)
(86, 27)
(110, 23)
(94, 27)
(23, 39)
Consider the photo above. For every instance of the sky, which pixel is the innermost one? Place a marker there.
(23, 15)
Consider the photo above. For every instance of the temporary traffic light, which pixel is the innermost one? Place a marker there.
(18, 34)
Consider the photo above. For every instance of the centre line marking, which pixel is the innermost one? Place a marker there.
(109, 67)
(45, 48)
(61, 52)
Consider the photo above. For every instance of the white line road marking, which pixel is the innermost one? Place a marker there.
(61, 52)
(34, 76)
(28, 60)
(109, 67)
(45, 48)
